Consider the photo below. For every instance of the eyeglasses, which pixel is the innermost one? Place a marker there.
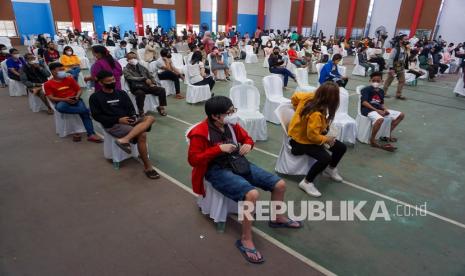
(231, 111)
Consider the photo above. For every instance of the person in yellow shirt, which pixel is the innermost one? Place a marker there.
(308, 131)
(71, 62)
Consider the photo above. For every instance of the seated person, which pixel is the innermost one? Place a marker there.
(143, 43)
(196, 69)
(4, 55)
(308, 131)
(276, 63)
(14, 64)
(294, 58)
(363, 60)
(413, 67)
(51, 54)
(33, 75)
(71, 62)
(373, 107)
(114, 110)
(426, 63)
(213, 142)
(330, 72)
(65, 92)
(167, 71)
(141, 83)
(121, 51)
(218, 63)
(375, 55)
(192, 49)
(151, 51)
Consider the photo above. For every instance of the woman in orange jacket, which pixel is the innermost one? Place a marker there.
(308, 131)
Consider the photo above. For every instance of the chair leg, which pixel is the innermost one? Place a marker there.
(115, 165)
(220, 227)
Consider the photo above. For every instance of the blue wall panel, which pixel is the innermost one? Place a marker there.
(166, 19)
(34, 18)
(206, 17)
(247, 23)
(98, 20)
(119, 16)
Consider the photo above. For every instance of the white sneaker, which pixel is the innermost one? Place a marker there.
(309, 188)
(333, 174)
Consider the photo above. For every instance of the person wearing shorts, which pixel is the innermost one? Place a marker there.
(114, 110)
(373, 107)
(212, 144)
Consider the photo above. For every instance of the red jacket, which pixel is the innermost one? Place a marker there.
(202, 152)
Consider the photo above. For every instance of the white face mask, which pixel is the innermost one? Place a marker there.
(133, 61)
(16, 56)
(69, 53)
(231, 119)
(375, 84)
(34, 61)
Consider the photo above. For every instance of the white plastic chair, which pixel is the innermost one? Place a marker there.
(266, 64)
(459, 90)
(196, 93)
(250, 56)
(301, 75)
(6, 41)
(220, 75)
(273, 86)
(246, 98)
(288, 163)
(15, 88)
(67, 124)
(358, 70)
(364, 124)
(177, 61)
(113, 152)
(342, 120)
(35, 103)
(151, 101)
(239, 74)
(291, 67)
(170, 89)
(141, 53)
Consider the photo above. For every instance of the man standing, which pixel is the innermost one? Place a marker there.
(396, 64)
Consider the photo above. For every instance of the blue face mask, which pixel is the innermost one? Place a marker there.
(62, 74)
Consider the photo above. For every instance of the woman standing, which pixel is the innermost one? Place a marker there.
(104, 61)
(308, 131)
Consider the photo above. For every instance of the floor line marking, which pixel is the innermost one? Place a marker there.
(443, 218)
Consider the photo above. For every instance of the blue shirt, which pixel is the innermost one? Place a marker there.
(328, 73)
(373, 96)
(14, 64)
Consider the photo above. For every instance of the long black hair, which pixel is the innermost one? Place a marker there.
(325, 101)
(196, 57)
(99, 49)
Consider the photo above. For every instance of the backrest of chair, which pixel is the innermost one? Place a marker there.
(238, 71)
(284, 112)
(177, 60)
(319, 66)
(358, 89)
(343, 101)
(5, 41)
(123, 62)
(185, 70)
(273, 86)
(249, 49)
(141, 53)
(245, 97)
(79, 51)
(301, 74)
(356, 59)
(324, 49)
(4, 69)
(342, 70)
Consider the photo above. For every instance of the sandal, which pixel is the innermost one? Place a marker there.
(77, 138)
(95, 139)
(179, 96)
(288, 224)
(161, 111)
(244, 250)
(386, 147)
(400, 97)
(126, 147)
(152, 174)
(50, 112)
(388, 139)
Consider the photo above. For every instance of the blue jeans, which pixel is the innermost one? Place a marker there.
(80, 109)
(235, 186)
(2, 79)
(75, 72)
(282, 71)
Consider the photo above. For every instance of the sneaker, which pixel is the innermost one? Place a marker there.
(333, 174)
(309, 188)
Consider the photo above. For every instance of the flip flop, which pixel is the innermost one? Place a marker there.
(387, 139)
(162, 112)
(400, 97)
(126, 147)
(288, 224)
(152, 174)
(386, 147)
(244, 250)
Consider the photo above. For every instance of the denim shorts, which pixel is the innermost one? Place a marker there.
(235, 186)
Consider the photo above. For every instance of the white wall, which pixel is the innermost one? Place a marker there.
(452, 21)
(206, 5)
(278, 13)
(327, 17)
(247, 7)
(385, 14)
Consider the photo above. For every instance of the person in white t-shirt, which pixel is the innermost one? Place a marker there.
(196, 71)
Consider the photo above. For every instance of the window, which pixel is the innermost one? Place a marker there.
(420, 33)
(403, 31)
(7, 28)
(164, 2)
(222, 28)
(340, 32)
(63, 26)
(151, 20)
(87, 27)
(180, 27)
(357, 33)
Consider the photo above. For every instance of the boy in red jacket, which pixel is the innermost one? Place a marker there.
(212, 144)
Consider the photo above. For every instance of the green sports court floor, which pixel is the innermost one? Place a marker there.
(427, 168)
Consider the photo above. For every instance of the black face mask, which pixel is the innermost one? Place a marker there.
(168, 55)
(276, 53)
(110, 85)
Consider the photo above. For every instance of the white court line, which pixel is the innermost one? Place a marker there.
(445, 219)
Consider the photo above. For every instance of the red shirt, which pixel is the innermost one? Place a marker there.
(201, 151)
(68, 87)
(292, 54)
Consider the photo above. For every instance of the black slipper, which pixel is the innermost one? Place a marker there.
(152, 174)
(126, 147)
